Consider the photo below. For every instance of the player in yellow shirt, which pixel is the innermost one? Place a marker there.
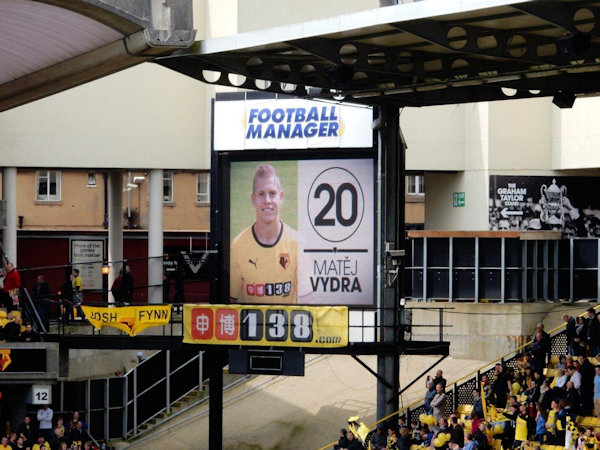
(264, 258)
(77, 282)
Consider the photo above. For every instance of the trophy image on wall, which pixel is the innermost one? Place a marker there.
(551, 202)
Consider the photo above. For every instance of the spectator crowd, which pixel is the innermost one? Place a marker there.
(45, 431)
(13, 330)
(538, 400)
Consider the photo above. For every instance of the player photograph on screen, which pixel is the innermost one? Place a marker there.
(265, 255)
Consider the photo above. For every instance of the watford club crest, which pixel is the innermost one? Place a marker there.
(284, 260)
(4, 359)
(129, 322)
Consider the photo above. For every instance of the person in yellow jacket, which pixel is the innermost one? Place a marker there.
(4, 445)
(41, 444)
(587, 440)
(524, 427)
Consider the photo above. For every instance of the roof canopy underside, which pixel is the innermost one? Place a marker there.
(426, 53)
(47, 46)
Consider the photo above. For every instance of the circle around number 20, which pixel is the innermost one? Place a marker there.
(335, 204)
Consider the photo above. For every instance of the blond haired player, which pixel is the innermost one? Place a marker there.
(264, 257)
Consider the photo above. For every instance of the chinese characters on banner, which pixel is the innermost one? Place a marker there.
(301, 326)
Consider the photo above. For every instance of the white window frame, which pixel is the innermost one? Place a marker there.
(168, 182)
(415, 185)
(203, 187)
(45, 176)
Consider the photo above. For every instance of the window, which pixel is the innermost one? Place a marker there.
(167, 187)
(203, 187)
(415, 184)
(47, 186)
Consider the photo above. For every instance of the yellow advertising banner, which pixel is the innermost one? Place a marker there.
(262, 325)
(130, 319)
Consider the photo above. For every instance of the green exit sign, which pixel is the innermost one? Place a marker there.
(458, 199)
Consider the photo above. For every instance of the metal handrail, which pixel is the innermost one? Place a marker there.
(133, 430)
(554, 331)
(27, 300)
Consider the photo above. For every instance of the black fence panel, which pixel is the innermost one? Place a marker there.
(115, 421)
(152, 401)
(74, 396)
(184, 380)
(465, 391)
(116, 387)
(150, 371)
(559, 344)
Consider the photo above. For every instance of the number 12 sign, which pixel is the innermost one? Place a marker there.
(290, 326)
(41, 395)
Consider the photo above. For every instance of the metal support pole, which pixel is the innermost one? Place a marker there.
(125, 406)
(598, 273)
(88, 389)
(115, 226)
(135, 394)
(105, 220)
(502, 270)
(546, 263)
(215, 399)
(168, 380)
(200, 369)
(450, 268)
(391, 151)
(476, 270)
(106, 408)
(524, 271)
(556, 249)
(535, 270)
(571, 263)
(9, 193)
(155, 236)
(425, 269)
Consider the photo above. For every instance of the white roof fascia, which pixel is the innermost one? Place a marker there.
(374, 17)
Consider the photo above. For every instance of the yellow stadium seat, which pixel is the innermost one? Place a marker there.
(588, 421)
(414, 447)
(554, 359)
(550, 373)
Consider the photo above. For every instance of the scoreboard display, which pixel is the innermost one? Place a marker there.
(323, 251)
(285, 326)
(294, 222)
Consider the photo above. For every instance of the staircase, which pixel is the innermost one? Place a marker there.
(177, 408)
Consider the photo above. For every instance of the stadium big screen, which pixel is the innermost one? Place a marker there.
(297, 198)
